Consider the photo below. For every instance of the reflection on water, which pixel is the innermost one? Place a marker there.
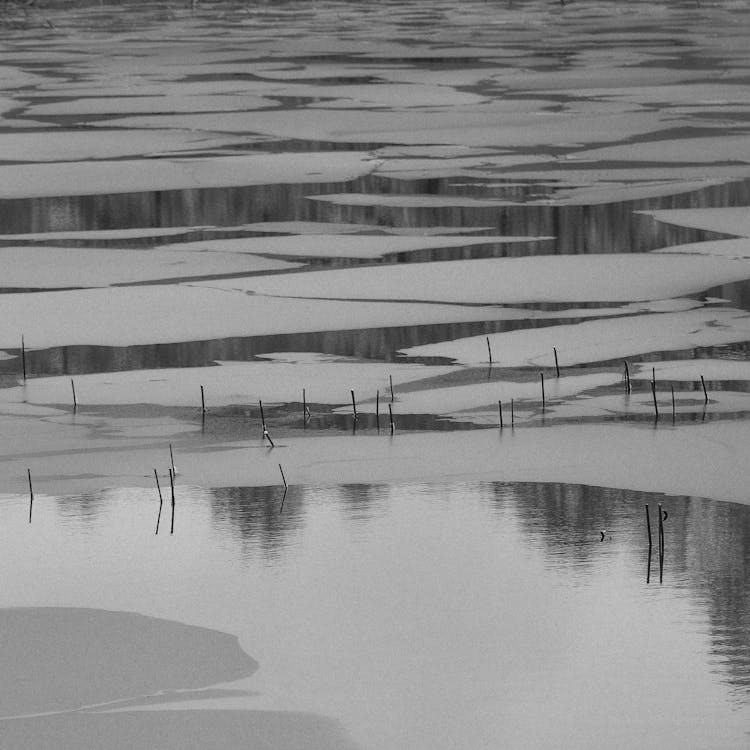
(372, 344)
(255, 515)
(577, 529)
(604, 228)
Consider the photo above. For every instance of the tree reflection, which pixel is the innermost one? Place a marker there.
(254, 516)
(707, 549)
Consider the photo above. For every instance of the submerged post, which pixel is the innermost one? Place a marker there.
(377, 410)
(512, 414)
(31, 494)
(354, 406)
(23, 358)
(203, 403)
(653, 393)
(390, 415)
(489, 349)
(500, 410)
(705, 392)
(75, 402)
(544, 400)
(557, 366)
(158, 518)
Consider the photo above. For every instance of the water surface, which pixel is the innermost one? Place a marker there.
(430, 616)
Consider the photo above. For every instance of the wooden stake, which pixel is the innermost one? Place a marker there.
(544, 400)
(158, 518)
(627, 377)
(263, 423)
(73, 386)
(390, 378)
(512, 414)
(377, 409)
(390, 416)
(489, 349)
(661, 545)
(203, 402)
(171, 458)
(661, 527)
(500, 410)
(557, 366)
(171, 484)
(705, 392)
(23, 358)
(653, 393)
(354, 406)
(31, 494)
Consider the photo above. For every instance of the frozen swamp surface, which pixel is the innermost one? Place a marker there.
(485, 265)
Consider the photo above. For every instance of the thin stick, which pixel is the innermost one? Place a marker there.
(512, 414)
(263, 423)
(627, 377)
(705, 392)
(354, 406)
(304, 408)
(171, 458)
(23, 358)
(283, 478)
(544, 400)
(158, 518)
(31, 494)
(489, 349)
(390, 415)
(390, 378)
(648, 526)
(661, 545)
(377, 409)
(661, 528)
(500, 410)
(171, 484)
(557, 366)
(203, 401)
(653, 393)
(73, 386)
